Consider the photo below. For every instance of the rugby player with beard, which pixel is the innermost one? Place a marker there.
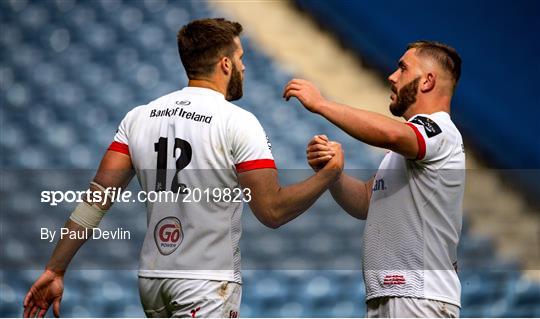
(191, 139)
(413, 204)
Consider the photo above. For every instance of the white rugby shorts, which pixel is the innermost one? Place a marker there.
(189, 298)
(405, 307)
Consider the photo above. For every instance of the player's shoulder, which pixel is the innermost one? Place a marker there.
(132, 114)
(237, 113)
(436, 123)
(162, 100)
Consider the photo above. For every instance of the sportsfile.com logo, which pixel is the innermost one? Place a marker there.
(118, 195)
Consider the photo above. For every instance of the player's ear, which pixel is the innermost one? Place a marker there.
(226, 65)
(428, 82)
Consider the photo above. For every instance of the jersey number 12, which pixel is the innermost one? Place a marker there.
(181, 162)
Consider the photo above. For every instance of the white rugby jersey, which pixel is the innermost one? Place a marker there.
(414, 219)
(194, 139)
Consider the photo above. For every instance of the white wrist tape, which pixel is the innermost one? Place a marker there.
(87, 215)
(103, 189)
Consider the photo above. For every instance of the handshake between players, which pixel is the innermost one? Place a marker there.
(168, 281)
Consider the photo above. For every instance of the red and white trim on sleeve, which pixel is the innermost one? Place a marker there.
(421, 142)
(119, 147)
(255, 164)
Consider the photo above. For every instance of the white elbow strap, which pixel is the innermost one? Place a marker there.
(87, 215)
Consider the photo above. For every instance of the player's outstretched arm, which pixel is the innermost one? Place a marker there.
(351, 194)
(115, 170)
(275, 205)
(369, 127)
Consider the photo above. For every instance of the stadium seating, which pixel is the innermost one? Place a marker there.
(69, 71)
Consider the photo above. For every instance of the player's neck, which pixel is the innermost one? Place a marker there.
(429, 106)
(208, 84)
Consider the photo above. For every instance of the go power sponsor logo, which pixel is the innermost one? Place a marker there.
(168, 235)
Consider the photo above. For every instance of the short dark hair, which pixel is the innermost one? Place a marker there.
(201, 43)
(445, 55)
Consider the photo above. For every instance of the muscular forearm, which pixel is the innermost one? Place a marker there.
(352, 195)
(65, 249)
(291, 201)
(369, 127)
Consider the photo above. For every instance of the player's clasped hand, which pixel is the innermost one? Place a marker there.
(45, 291)
(318, 152)
(323, 153)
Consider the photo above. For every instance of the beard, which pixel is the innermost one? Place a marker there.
(405, 97)
(234, 88)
